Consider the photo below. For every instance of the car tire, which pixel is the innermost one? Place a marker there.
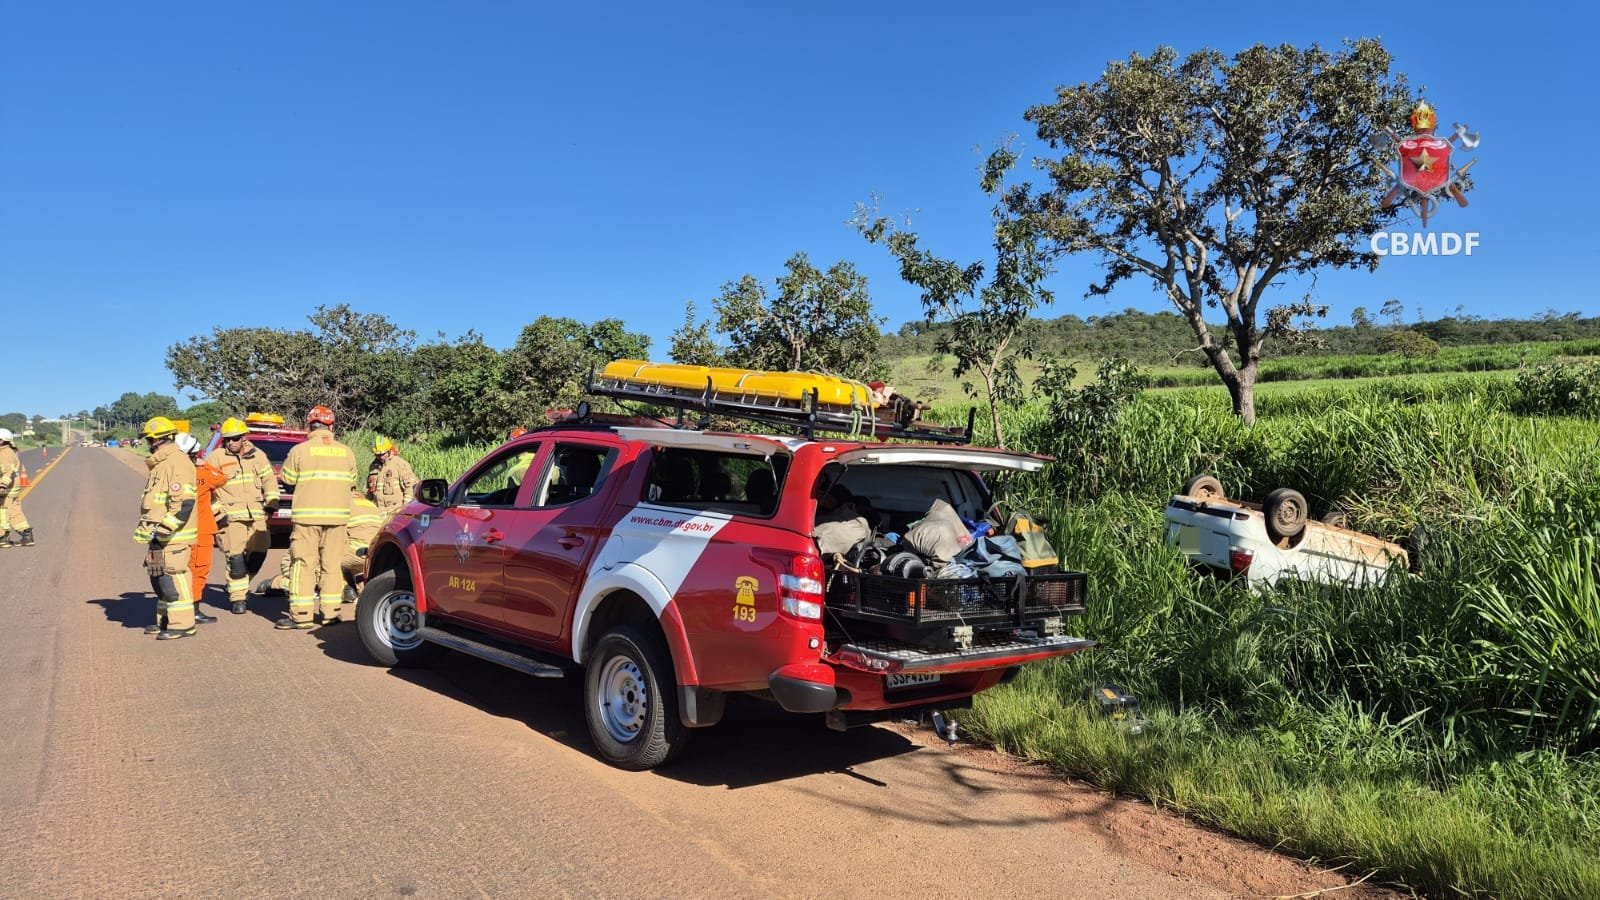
(253, 560)
(388, 620)
(1204, 487)
(1285, 511)
(630, 700)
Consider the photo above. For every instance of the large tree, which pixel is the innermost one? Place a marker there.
(353, 362)
(818, 321)
(1218, 178)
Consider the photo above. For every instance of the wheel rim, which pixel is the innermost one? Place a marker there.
(624, 699)
(1289, 514)
(399, 620)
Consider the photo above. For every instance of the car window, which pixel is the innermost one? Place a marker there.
(575, 472)
(498, 482)
(713, 480)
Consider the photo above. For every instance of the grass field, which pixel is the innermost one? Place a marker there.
(1440, 732)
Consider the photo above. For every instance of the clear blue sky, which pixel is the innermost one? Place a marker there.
(167, 167)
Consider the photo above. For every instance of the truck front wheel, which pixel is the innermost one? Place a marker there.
(631, 702)
(389, 622)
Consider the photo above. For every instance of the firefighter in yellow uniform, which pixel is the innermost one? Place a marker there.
(11, 517)
(365, 520)
(249, 498)
(391, 484)
(322, 472)
(167, 527)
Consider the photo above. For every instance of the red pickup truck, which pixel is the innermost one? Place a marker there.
(670, 568)
(269, 436)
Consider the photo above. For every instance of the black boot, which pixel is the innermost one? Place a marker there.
(287, 624)
(27, 537)
(238, 607)
(201, 618)
(159, 626)
(172, 634)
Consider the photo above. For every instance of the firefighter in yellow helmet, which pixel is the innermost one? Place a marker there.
(390, 484)
(365, 520)
(249, 498)
(168, 528)
(11, 517)
(322, 472)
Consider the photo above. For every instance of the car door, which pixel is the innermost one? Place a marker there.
(464, 547)
(556, 536)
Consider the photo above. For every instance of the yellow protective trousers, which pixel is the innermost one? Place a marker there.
(314, 555)
(11, 512)
(168, 567)
(238, 540)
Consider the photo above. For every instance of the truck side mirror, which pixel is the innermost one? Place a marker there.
(432, 491)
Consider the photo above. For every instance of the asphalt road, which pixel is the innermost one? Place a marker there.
(247, 761)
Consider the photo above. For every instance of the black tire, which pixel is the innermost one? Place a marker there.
(1285, 511)
(253, 560)
(1204, 487)
(387, 618)
(630, 699)
(1337, 517)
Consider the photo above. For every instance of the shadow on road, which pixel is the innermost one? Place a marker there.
(756, 742)
(134, 609)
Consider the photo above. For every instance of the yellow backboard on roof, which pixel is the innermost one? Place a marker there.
(259, 418)
(795, 386)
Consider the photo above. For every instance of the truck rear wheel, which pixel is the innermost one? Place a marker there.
(1286, 513)
(630, 700)
(389, 622)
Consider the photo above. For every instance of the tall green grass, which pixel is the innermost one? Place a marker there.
(1441, 730)
(1474, 358)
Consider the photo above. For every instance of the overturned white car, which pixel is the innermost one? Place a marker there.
(1264, 542)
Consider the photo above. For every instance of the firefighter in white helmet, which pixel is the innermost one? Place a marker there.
(11, 517)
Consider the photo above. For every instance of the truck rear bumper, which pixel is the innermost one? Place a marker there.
(806, 688)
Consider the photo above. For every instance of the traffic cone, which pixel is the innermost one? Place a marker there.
(22, 480)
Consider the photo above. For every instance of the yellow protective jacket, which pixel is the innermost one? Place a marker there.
(250, 482)
(394, 483)
(365, 520)
(321, 471)
(169, 497)
(10, 470)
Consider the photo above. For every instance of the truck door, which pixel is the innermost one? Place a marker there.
(464, 547)
(556, 536)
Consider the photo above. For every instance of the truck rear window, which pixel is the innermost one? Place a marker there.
(276, 451)
(710, 480)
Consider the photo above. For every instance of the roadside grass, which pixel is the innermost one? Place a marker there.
(1442, 731)
(1515, 834)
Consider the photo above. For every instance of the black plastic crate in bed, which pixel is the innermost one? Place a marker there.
(933, 598)
(1064, 592)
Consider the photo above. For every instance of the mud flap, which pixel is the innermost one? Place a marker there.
(700, 707)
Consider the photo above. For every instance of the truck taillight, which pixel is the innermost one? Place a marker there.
(799, 582)
(1239, 560)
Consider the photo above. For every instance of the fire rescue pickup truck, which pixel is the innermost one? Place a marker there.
(670, 567)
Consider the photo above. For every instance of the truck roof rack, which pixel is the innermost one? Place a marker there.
(806, 415)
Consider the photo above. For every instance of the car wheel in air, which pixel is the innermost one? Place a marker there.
(1204, 487)
(1285, 510)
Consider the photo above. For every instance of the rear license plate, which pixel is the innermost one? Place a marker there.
(896, 682)
(280, 514)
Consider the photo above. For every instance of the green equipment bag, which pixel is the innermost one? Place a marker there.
(1038, 557)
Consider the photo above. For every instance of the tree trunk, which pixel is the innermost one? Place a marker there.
(994, 411)
(1242, 389)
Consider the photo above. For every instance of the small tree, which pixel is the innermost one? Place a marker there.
(982, 323)
(818, 321)
(692, 344)
(1216, 178)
